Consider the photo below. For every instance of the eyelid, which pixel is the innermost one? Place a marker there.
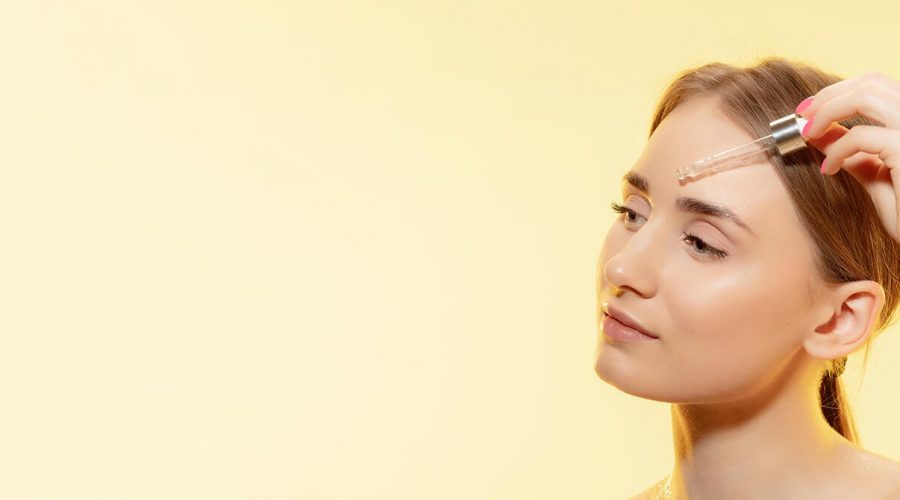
(714, 240)
(641, 197)
(719, 233)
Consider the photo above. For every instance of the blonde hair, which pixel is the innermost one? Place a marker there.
(851, 242)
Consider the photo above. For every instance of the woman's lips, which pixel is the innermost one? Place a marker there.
(615, 329)
(625, 321)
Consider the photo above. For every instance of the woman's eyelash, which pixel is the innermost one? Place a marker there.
(713, 252)
(623, 209)
(702, 247)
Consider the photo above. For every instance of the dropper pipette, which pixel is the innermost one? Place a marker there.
(785, 137)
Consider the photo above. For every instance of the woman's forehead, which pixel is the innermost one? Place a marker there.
(695, 129)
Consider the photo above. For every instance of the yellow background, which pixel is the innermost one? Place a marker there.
(341, 250)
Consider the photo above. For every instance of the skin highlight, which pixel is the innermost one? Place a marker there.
(744, 338)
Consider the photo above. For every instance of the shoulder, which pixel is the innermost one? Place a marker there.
(881, 473)
(653, 492)
(893, 480)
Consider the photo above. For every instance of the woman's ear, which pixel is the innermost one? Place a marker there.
(849, 313)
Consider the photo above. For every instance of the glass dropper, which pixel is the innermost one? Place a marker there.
(785, 137)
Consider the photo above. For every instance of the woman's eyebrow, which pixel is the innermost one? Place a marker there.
(689, 204)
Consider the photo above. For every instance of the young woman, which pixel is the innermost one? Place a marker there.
(738, 296)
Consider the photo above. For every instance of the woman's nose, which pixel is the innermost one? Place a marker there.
(634, 265)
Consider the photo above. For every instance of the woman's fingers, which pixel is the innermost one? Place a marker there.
(880, 141)
(858, 162)
(842, 87)
(872, 100)
(867, 153)
(861, 162)
(824, 141)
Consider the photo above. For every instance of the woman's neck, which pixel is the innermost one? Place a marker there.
(772, 443)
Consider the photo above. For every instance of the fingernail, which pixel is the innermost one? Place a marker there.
(804, 104)
(807, 127)
(822, 168)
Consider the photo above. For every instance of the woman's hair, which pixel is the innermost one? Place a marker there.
(850, 241)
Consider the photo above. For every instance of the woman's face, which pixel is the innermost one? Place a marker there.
(724, 321)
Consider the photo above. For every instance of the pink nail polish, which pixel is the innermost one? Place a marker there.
(822, 168)
(804, 104)
(807, 127)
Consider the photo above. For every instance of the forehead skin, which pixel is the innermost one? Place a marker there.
(697, 128)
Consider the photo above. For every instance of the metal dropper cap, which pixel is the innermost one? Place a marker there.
(786, 133)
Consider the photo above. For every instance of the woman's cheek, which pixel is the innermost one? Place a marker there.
(707, 305)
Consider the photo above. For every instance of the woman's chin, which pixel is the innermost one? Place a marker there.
(625, 376)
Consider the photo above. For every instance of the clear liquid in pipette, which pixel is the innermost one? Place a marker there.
(736, 157)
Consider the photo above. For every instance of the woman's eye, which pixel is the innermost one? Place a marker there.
(703, 248)
(698, 246)
(630, 215)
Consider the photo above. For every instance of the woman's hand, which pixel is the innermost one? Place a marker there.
(870, 153)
